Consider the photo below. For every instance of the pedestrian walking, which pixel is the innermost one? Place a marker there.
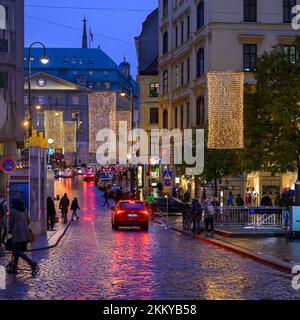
(186, 196)
(19, 230)
(64, 207)
(74, 208)
(51, 214)
(3, 221)
(209, 214)
(239, 201)
(106, 198)
(197, 215)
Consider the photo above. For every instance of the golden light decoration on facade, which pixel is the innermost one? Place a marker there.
(101, 104)
(69, 136)
(54, 129)
(225, 110)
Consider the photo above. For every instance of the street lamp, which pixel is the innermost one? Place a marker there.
(44, 60)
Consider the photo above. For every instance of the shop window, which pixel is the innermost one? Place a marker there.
(250, 10)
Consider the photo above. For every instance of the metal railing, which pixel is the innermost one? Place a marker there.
(255, 217)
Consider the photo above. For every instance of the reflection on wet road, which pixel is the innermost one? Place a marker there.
(94, 262)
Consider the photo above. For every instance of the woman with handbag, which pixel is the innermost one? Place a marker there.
(21, 235)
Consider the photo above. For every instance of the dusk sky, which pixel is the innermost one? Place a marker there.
(112, 23)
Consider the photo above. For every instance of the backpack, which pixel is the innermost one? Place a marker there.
(210, 210)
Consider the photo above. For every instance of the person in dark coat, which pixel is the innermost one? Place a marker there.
(239, 201)
(64, 207)
(106, 197)
(266, 201)
(186, 196)
(51, 214)
(19, 230)
(74, 208)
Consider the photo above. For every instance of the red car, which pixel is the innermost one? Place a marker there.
(130, 214)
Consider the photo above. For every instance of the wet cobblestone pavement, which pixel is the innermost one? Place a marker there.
(94, 262)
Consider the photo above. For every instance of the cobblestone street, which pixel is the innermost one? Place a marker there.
(94, 262)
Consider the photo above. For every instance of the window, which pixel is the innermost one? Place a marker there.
(182, 74)
(3, 80)
(40, 100)
(165, 8)
(200, 15)
(181, 117)
(200, 116)
(188, 27)
(200, 62)
(154, 90)
(290, 53)
(165, 119)
(58, 101)
(165, 42)
(176, 118)
(76, 118)
(250, 57)
(3, 45)
(165, 81)
(182, 31)
(153, 115)
(2, 17)
(176, 36)
(287, 10)
(188, 72)
(250, 10)
(40, 119)
(187, 115)
(176, 77)
(41, 82)
(74, 60)
(75, 100)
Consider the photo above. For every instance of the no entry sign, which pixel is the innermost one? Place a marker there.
(8, 165)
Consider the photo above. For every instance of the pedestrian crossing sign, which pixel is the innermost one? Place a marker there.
(168, 175)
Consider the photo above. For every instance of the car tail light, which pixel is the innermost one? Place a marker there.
(120, 211)
(145, 212)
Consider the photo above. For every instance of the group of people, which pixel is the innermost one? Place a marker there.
(64, 205)
(198, 212)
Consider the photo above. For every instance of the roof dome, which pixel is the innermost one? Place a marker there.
(124, 64)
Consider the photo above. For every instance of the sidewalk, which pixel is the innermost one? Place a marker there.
(278, 252)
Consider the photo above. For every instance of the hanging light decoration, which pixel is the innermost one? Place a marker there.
(101, 104)
(225, 110)
(54, 129)
(70, 136)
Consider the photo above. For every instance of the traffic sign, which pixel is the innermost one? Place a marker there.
(168, 175)
(8, 165)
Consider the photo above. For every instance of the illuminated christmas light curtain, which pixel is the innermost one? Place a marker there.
(225, 110)
(70, 136)
(54, 129)
(101, 104)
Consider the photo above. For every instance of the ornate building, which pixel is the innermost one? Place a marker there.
(67, 85)
(201, 36)
(11, 79)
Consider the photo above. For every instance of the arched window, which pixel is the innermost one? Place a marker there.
(165, 81)
(200, 15)
(165, 119)
(2, 17)
(200, 116)
(200, 62)
(165, 42)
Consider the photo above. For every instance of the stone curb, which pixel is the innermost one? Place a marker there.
(55, 244)
(263, 259)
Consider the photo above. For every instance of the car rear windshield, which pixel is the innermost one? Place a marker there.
(132, 206)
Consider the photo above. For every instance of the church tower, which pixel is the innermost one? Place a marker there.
(84, 36)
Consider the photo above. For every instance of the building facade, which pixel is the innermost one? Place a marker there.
(148, 86)
(11, 79)
(65, 86)
(200, 36)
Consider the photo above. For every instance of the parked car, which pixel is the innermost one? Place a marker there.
(130, 214)
(88, 174)
(172, 205)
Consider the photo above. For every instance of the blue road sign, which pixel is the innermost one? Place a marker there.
(8, 165)
(168, 175)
